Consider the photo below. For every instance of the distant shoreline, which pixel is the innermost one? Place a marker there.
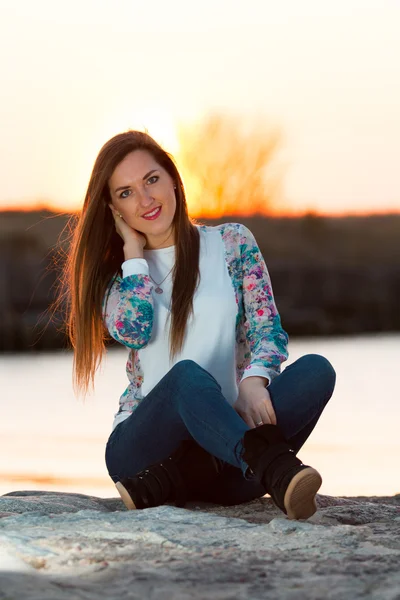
(330, 276)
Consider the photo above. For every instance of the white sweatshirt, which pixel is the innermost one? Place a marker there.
(227, 302)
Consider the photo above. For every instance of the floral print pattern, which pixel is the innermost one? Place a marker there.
(128, 310)
(261, 342)
(260, 338)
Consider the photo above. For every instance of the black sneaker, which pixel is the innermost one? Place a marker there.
(175, 479)
(291, 484)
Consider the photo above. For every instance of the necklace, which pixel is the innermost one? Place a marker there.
(158, 289)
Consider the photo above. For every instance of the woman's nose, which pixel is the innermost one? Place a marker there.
(144, 198)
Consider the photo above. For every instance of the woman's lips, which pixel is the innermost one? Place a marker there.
(154, 216)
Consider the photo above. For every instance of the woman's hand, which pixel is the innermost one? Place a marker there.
(130, 236)
(254, 403)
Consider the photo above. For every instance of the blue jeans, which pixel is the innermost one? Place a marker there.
(187, 403)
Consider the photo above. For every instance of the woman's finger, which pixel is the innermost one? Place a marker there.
(264, 416)
(271, 414)
(251, 422)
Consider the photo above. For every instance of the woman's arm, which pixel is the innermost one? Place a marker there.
(128, 306)
(267, 339)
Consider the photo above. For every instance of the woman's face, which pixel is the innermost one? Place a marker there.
(137, 186)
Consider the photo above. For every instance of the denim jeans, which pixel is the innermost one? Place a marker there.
(187, 403)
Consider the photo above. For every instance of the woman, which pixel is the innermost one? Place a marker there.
(207, 414)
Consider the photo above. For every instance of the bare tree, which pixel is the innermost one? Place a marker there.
(229, 166)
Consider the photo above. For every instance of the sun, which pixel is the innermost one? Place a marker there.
(156, 121)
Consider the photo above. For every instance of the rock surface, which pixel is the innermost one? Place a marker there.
(72, 546)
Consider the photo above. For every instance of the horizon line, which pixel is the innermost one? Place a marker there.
(39, 207)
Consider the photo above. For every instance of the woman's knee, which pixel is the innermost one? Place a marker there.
(188, 370)
(320, 366)
(186, 365)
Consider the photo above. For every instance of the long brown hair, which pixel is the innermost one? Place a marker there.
(96, 253)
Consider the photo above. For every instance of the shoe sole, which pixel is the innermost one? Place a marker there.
(299, 497)
(123, 492)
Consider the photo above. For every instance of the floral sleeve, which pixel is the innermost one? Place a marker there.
(267, 340)
(128, 310)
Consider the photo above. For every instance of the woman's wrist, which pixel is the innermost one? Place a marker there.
(132, 251)
(254, 380)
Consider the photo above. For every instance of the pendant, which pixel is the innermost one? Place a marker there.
(158, 290)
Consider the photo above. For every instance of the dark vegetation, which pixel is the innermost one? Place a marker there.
(330, 276)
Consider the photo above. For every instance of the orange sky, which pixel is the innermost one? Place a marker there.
(326, 75)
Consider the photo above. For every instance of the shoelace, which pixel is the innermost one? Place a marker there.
(157, 484)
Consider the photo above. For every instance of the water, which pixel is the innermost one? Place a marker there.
(50, 440)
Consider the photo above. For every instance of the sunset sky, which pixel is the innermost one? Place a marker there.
(328, 74)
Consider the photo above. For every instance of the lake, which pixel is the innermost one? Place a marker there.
(51, 440)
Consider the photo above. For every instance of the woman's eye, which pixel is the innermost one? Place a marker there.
(156, 177)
